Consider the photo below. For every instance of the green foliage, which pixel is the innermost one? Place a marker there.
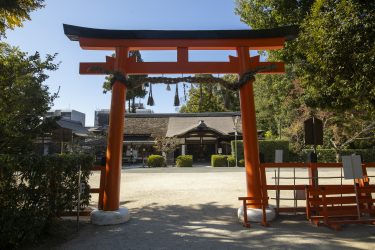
(156, 161)
(272, 13)
(184, 161)
(13, 13)
(329, 155)
(132, 92)
(24, 100)
(231, 161)
(166, 144)
(219, 161)
(337, 53)
(241, 163)
(333, 57)
(329, 71)
(211, 98)
(239, 149)
(34, 190)
(267, 147)
(277, 101)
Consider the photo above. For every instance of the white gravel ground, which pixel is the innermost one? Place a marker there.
(196, 208)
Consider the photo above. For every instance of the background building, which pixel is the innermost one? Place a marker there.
(69, 114)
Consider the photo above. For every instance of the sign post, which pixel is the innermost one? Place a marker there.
(353, 170)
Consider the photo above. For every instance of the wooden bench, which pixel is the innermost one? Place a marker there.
(247, 201)
(338, 205)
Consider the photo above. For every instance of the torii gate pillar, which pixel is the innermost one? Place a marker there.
(254, 184)
(112, 213)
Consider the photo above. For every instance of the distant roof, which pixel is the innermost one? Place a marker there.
(181, 125)
(75, 32)
(205, 114)
(75, 126)
(174, 124)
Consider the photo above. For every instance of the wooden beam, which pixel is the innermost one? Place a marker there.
(141, 68)
(173, 44)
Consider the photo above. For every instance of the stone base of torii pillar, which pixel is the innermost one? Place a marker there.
(256, 215)
(100, 217)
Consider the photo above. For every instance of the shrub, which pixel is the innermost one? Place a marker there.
(267, 147)
(241, 163)
(184, 161)
(219, 161)
(34, 190)
(156, 161)
(239, 149)
(231, 161)
(329, 155)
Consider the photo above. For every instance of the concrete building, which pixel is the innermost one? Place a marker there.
(102, 115)
(69, 114)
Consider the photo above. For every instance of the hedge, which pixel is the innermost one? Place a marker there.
(241, 163)
(239, 148)
(156, 161)
(219, 161)
(267, 147)
(329, 155)
(36, 189)
(184, 161)
(231, 161)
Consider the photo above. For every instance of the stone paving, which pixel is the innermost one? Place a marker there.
(196, 208)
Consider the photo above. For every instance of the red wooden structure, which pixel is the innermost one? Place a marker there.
(122, 41)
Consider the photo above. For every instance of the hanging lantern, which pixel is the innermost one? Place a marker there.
(168, 87)
(150, 101)
(218, 87)
(176, 97)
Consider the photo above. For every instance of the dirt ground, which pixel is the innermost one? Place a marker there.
(196, 208)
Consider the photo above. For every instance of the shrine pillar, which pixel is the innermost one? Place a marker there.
(112, 213)
(250, 142)
(249, 130)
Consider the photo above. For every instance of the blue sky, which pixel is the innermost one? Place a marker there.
(44, 33)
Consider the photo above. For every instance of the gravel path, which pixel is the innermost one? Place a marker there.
(196, 208)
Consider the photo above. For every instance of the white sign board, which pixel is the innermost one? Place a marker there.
(278, 156)
(352, 166)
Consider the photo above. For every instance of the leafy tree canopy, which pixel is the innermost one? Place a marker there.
(334, 56)
(14, 12)
(211, 98)
(24, 100)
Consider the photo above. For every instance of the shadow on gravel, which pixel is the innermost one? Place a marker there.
(210, 226)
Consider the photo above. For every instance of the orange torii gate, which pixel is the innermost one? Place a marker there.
(122, 41)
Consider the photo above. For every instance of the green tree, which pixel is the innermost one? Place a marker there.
(330, 65)
(211, 98)
(24, 100)
(131, 93)
(335, 52)
(14, 12)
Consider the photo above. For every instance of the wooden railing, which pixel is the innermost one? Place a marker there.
(312, 169)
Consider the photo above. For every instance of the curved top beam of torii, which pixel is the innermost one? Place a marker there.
(182, 41)
(95, 39)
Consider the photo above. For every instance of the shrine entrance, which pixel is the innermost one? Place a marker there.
(122, 65)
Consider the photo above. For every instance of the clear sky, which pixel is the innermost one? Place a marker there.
(44, 33)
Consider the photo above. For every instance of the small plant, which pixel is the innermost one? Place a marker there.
(241, 163)
(184, 161)
(231, 161)
(219, 161)
(156, 161)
